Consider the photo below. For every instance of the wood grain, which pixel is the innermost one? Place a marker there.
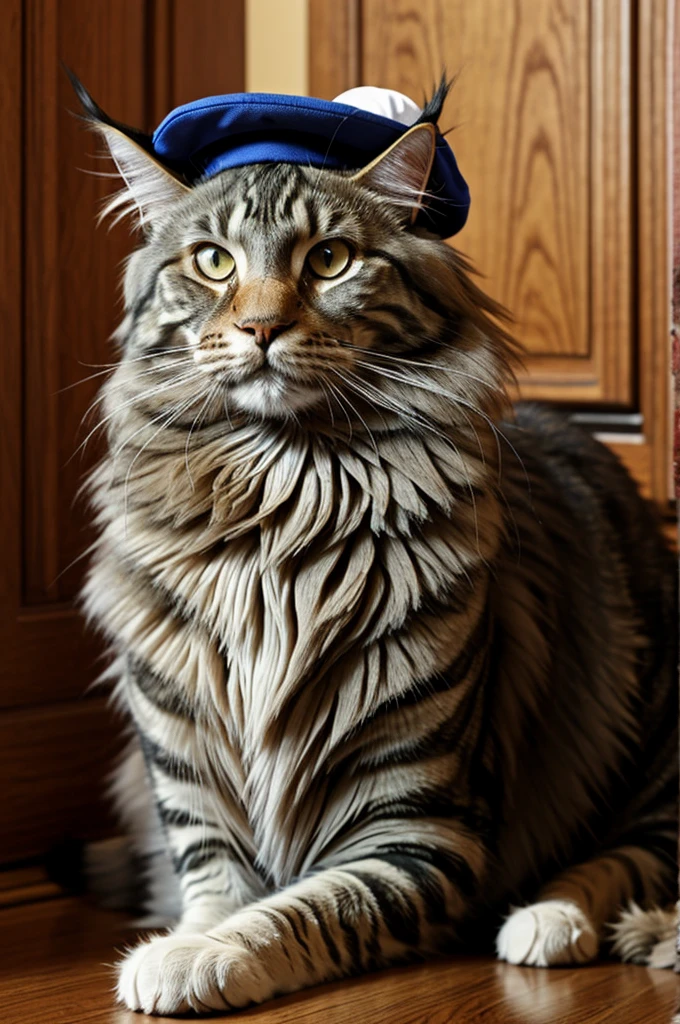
(675, 281)
(28, 884)
(635, 453)
(335, 55)
(654, 221)
(52, 968)
(541, 111)
(53, 763)
(197, 51)
(70, 287)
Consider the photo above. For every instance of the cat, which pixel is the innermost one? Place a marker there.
(400, 660)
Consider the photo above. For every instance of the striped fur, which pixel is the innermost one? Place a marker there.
(397, 659)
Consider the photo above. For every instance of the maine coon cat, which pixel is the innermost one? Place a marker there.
(398, 659)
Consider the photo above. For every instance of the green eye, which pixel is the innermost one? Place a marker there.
(329, 259)
(214, 262)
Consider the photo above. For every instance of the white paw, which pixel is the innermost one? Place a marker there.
(544, 934)
(181, 973)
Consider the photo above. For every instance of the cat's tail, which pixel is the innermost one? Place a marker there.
(648, 937)
(112, 874)
(133, 872)
(104, 869)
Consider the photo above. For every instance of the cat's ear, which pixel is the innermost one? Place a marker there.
(150, 188)
(401, 173)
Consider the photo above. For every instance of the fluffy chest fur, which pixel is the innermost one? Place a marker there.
(318, 579)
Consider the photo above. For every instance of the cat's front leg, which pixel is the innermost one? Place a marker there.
(166, 783)
(210, 896)
(341, 921)
(213, 881)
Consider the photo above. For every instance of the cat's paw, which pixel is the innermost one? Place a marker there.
(175, 974)
(546, 934)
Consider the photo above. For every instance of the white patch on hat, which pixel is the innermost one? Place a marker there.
(386, 102)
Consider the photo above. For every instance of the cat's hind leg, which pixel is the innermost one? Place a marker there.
(569, 919)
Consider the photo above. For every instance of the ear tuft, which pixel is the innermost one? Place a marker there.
(150, 188)
(433, 107)
(401, 173)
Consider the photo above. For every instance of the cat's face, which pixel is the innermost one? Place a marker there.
(278, 292)
(276, 278)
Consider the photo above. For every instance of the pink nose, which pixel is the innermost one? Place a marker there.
(263, 331)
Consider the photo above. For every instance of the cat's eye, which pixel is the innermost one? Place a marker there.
(330, 258)
(214, 262)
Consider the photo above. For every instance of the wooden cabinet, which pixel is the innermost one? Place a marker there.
(60, 300)
(558, 119)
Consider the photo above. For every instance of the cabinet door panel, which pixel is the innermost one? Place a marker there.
(540, 119)
(60, 287)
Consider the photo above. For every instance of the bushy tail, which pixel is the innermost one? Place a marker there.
(132, 872)
(648, 937)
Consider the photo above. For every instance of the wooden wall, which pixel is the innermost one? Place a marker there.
(59, 302)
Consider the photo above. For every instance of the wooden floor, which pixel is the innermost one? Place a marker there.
(53, 957)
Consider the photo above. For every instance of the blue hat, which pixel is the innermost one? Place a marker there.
(202, 138)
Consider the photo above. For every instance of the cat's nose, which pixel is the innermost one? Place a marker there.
(263, 331)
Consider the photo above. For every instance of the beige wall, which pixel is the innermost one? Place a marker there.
(276, 46)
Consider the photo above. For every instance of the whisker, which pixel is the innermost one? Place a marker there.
(74, 561)
(115, 366)
(164, 425)
(469, 355)
(358, 414)
(225, 406)
(428, 385)
(328, 403)
(183, 406)
(342, 405)
(84, 380)
(413, 362)
(498, 434)
(139, 359)
(124, 405)
(113, 385)
(197, 422)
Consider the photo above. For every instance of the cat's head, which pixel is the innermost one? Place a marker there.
(278, 290)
